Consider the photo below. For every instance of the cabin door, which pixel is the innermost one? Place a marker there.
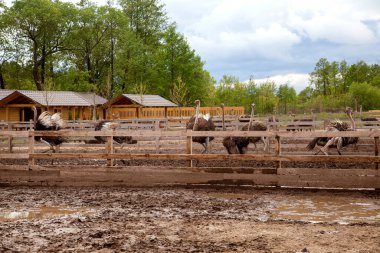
(26, 114)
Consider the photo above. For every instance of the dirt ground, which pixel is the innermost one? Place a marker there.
(188, 219)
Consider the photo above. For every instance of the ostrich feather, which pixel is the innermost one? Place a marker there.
(57, 120)
(45, 120)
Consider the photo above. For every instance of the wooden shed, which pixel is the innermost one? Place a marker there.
(15, 105)
(129, 106)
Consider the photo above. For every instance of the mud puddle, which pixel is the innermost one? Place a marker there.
(317, 209)
(327, 209)
(43, 213)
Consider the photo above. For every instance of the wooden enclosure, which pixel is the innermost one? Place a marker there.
(103, 171)
(122, 112)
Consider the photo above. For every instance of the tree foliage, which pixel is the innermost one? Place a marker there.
(104, 49)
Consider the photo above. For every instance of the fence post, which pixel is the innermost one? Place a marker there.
(31, 161)
(278, 150)
(109, 149)
(156, 128)
(10, 138)
(189, 148)
(377, 150)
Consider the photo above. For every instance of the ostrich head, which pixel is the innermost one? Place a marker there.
(348, 110)
(197, 103)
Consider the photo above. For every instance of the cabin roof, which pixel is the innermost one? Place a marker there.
(5, 93)
(52, 98)
(142, 100)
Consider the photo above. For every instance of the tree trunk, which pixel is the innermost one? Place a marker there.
(35, 70)
(2, 82)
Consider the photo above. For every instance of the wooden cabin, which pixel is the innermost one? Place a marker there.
(16, 105)
(130, 106)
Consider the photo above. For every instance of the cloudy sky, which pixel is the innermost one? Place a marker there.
(276, 40)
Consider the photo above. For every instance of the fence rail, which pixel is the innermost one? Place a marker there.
(183, 150)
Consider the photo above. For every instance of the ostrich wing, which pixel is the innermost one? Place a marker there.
(57, 120)
(44, 121)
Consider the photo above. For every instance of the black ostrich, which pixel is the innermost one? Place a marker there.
(48, 122)
(337, 142)
(201, 122)
(230, 142)
(239, 145)
(108, 125)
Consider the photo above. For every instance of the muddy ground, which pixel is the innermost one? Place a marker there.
(188, 219)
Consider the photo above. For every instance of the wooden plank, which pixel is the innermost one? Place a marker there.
(189, 149)
(143, 176)
(207, 157)
(31, 160)
(14, 156)
(109, 150)
(136, 133)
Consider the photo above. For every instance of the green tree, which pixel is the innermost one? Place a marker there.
(287, 97)
(335, 78)
(365, 95)
(343, 67)
(320, 77)
(225, 90)
(359, 72)
(148, 22)
(41, 26)
(179, 93)
(175, 59)
(266, 97)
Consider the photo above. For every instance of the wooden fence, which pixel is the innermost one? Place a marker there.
(169, 112)
(231, 123)
(33, 172)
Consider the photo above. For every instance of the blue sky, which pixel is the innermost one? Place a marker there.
(279, 40)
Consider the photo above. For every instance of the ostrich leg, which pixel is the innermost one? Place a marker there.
(265, 141)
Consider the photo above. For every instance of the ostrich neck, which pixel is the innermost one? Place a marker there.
(196, 117)
(353, 125)
(251, 118)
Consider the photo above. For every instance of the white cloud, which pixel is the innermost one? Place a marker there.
(281, 36)
(296, 80)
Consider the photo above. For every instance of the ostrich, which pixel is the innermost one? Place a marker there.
(48, 122)
(337, 142)
(201, 122)
(108, 125)
(239, 145)
(229, 142)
